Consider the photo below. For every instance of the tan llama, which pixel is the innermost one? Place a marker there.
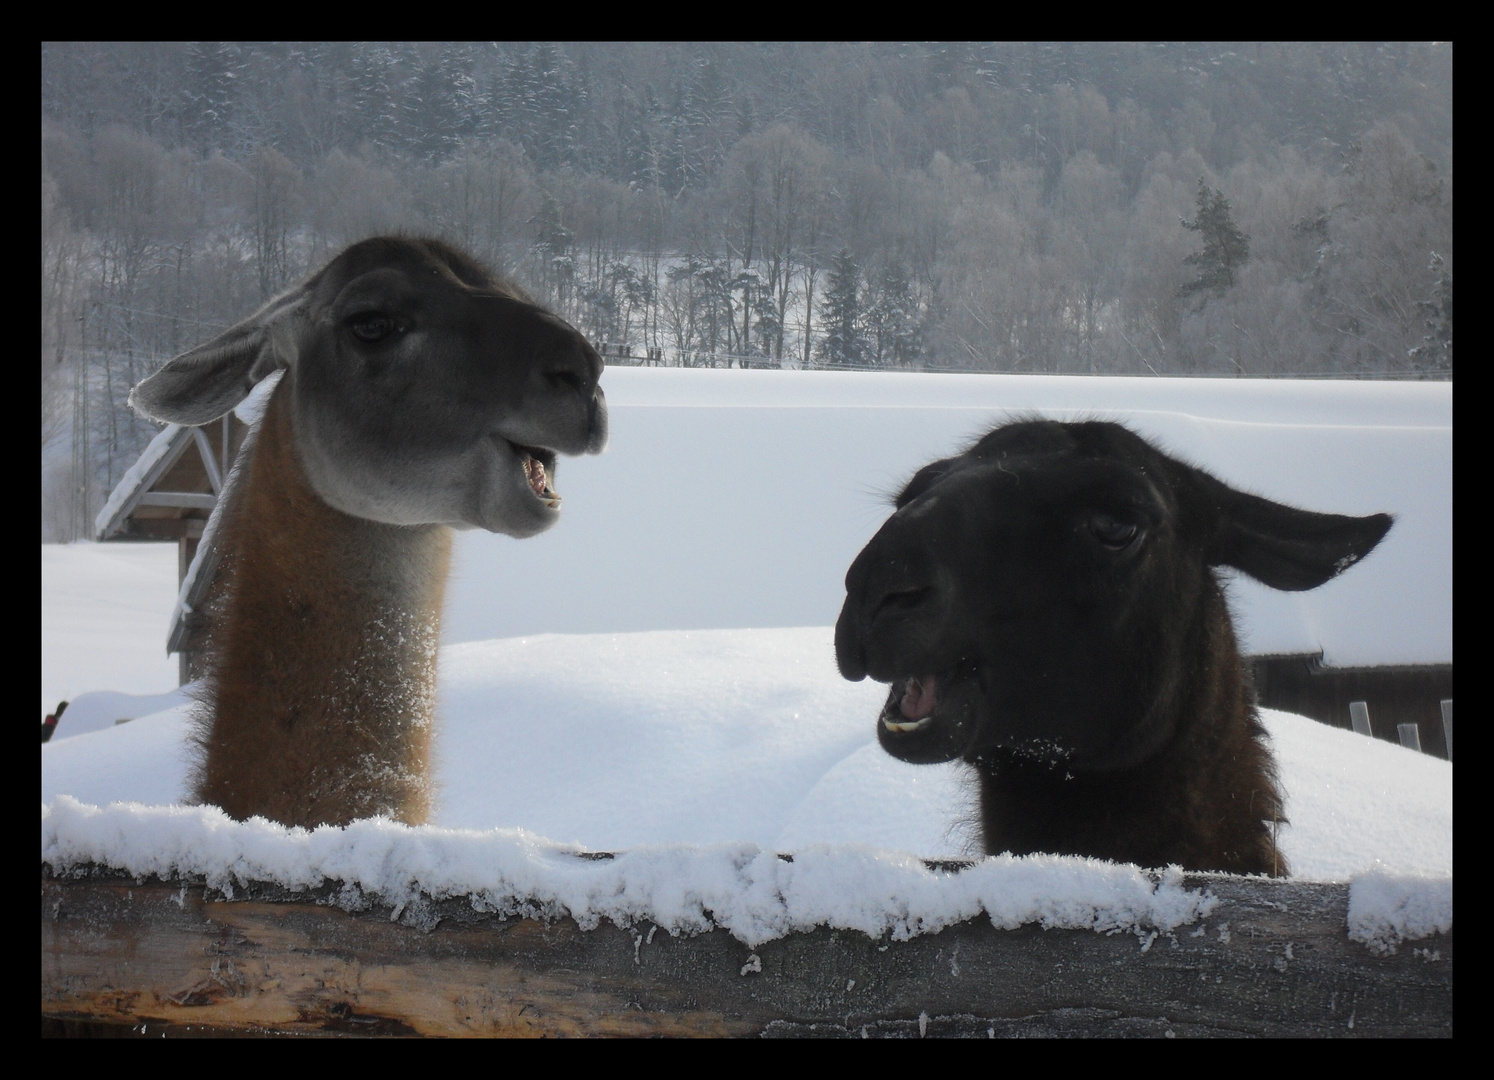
(420, 394)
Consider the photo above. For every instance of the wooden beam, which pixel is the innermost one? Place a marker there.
(162, 528)
(170, 957)
(209, 460)
(187, 500)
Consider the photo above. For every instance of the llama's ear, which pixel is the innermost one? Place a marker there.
(1287, 548)
(204, 383)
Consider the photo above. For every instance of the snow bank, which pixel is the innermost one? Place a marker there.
(752, 893)
(736, 499)
(1358, 804)
(99, 710)
(104, 613)
(618, 741)
(1387, 908)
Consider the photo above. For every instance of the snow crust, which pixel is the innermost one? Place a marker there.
(750, 892)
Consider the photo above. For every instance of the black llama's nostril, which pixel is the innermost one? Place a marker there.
(902, 600)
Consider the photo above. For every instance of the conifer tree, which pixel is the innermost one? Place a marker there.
(844, 342)
(554, 259)
(211, 89)
(892, 317)
(376, 80)
(1225, 247)
(1436, 349)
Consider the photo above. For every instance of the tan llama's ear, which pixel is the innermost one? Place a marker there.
(204, 383)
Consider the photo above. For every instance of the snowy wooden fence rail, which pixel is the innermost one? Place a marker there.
(164, 957)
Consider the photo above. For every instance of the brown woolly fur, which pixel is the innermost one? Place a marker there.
(419, 392)
(321, 694)
(1208, 801)
(1047, 609)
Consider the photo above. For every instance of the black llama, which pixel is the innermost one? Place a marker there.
(1046, 608)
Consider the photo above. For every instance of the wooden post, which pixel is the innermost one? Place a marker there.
(1359, 716)
(1447, 725)
(1410, 736)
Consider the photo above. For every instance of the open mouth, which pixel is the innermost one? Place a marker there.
(539, 472)
(915, 705)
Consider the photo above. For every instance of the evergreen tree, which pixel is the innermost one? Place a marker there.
(440, 104)
(1436, 349)
(547, 102)
(552, 247)
(211, 90)
(844, 342)
(1225, 247)
(768, 320)
(892, 317)
(715, 283)
(376, 79)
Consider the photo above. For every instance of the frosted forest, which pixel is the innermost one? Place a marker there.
(1159, 208)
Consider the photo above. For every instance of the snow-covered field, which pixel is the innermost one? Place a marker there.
(691, 713)
(616, 741)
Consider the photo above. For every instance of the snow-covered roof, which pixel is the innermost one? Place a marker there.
(161, 453)
(738, 498)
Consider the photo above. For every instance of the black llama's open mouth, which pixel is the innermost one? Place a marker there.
(539, 472)
(929, 718)
(910, 707)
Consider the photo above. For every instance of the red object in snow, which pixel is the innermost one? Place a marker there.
(49, 725)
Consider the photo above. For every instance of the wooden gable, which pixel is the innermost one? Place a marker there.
(171, 491)
(169, 494)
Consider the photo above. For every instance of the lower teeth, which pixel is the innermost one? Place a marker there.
(911, 725)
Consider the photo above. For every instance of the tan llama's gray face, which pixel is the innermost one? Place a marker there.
(422, 389)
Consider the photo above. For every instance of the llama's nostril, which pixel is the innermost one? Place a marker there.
(565, 379)
(903, 600)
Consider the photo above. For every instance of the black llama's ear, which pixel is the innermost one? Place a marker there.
(204, 383)
(1287, 548)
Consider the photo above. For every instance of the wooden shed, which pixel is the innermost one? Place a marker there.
(1392, 697)
(170, 494)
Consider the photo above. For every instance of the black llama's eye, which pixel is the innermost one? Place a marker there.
(372, 328)
(1113, 532)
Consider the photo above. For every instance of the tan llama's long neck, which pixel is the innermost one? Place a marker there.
(323, 673)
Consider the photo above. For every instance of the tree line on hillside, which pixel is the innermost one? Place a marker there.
(1167, 209)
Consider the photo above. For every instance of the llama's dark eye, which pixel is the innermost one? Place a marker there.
(1113, 532)
(372, 328)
